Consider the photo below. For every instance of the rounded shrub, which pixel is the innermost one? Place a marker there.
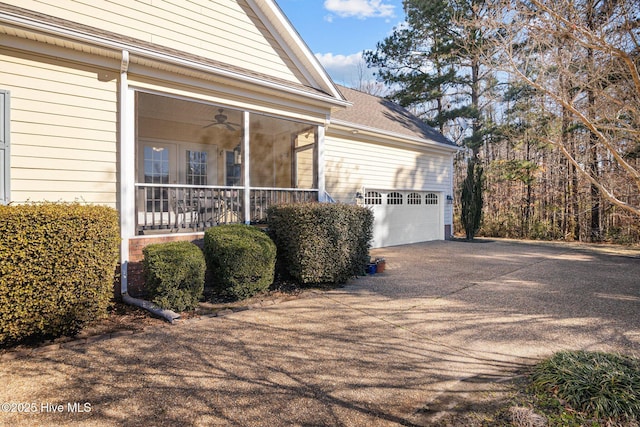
(57, 267)
(240, 258)
(174, 274)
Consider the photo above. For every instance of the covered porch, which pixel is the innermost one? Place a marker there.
(198, 165)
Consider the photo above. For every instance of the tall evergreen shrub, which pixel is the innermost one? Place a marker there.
(57, 267)
(471, 198)
(321, 242)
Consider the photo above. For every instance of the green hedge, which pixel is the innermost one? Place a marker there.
(240, 258)
(174, 274)
(321, 242)
(57, 267)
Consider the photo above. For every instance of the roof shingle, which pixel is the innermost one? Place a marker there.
(381, 114)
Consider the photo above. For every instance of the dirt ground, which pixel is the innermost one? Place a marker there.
(124, 319)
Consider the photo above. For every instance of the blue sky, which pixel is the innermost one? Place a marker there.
(337, 31)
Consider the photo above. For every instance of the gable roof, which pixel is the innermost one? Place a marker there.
(301, 54)
(378, 114)
(21, 22)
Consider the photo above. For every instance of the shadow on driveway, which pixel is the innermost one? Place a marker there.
(439, 331)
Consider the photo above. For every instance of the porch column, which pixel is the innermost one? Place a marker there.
(320, 164)
(450, 192)
(247, 167)
(127, 168)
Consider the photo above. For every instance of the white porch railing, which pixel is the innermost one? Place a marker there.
(262, 198)
(166, 208)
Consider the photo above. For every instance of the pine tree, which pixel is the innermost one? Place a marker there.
(433, 68)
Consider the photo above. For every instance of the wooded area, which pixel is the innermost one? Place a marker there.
(544, 94)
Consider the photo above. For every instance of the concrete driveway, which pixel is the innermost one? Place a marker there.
(438, 331)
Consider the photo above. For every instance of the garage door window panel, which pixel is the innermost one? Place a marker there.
(394, 198)
(414, 199)
(373, 198)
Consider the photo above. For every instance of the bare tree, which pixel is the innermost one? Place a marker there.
(583, 56)
(365, 83)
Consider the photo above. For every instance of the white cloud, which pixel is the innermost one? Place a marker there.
(329, 60)
(360, 8)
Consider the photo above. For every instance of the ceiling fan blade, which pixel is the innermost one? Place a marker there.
(221, 120)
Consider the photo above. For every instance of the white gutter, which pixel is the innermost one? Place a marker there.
(127, 194)
(161, 57)
(453, 192)
(395, 135)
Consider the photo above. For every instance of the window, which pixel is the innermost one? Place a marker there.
(233, 168)
(4, 147)
(414, 199)
(394, 198)
(156, 165)
(373, 198)
(282, 153)
(196, 167)
(156, 171)
(431, 199)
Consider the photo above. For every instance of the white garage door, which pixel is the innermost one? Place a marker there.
(402, 217)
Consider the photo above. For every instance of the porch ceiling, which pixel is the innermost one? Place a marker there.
(203, 114)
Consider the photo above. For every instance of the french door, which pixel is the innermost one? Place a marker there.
(163, 162)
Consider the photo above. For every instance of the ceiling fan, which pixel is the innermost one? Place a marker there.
(221, 121)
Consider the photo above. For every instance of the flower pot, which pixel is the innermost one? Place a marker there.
(380, 265)
(371, 268)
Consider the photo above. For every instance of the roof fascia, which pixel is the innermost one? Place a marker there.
(290, 40)
(392, 138)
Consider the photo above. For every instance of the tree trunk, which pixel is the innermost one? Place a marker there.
(593, 138)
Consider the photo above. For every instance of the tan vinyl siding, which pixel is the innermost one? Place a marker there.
(63, 130)
(352, 165)
(224, 30)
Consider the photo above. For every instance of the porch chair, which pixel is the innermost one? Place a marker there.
(181, 203)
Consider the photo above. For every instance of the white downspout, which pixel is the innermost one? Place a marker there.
(127, 140)
(127, 190)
